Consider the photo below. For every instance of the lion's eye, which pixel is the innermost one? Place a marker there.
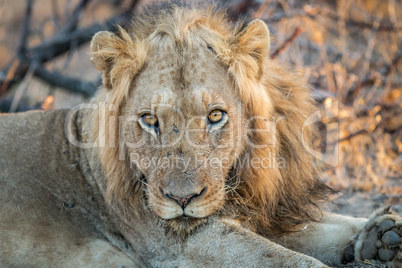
(215, 116)
(150, 120)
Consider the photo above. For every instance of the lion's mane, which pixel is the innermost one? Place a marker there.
(267, 200)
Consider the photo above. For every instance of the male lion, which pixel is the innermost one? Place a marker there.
(167, 165)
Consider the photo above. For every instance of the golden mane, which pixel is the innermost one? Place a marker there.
(275, 199)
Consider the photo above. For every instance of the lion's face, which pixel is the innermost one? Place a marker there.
(195, 95)
(183, 120)
(182, 116)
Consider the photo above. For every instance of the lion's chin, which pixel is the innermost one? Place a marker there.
(183, 225)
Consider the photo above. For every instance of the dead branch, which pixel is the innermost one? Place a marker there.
(61, 43)
(72, 84)
(314, 11)
(21, 89)
(287, 15)
(11, 72)
(25, 29)
(371, 79)
(76, 15)
(8, 76)
(56, 15)
(58, 45)
(287, 43)
(378, 125)
(350, 136)
(261, 9)
(386, 27)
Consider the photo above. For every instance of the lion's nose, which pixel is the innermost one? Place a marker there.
(183, 201)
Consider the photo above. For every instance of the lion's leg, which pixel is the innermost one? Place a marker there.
(224, 244)
(325, 240)
(338, 239)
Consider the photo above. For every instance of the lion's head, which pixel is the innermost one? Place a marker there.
(196, 114)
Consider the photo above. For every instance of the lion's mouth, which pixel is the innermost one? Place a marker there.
(173, 210)
(184, 225)
(184, 217)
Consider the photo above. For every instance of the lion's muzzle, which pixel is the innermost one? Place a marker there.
(183, 201)
(186, 194)
(182, 190)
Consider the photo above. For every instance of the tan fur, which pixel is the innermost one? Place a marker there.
(113, 192)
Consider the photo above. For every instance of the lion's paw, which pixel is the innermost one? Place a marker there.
(381, 238)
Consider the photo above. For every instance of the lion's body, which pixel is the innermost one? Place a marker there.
(49, 208)
(75, 190)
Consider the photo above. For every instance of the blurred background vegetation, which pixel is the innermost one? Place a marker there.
(348, 50)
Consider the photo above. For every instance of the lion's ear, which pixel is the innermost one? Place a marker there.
(103, 52)
(114, 54)
(251, 46)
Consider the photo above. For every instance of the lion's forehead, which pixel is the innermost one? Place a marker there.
(188, 67)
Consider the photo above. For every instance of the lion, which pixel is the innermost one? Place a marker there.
(192, 154)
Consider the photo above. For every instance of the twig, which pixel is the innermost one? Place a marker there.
(60, 43)
(313, 11)
(21, 89)
(289, 14)
(56, 16)
(12, 69)
(72, 84)
(261, 9)
(357, 133)
(320, 95)
(370, 46)
(287, 43)
(56, 46)
(371, 79)
(75, 17)
(386, 27)
(8, 75)
(25, 29)
(70, 55)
